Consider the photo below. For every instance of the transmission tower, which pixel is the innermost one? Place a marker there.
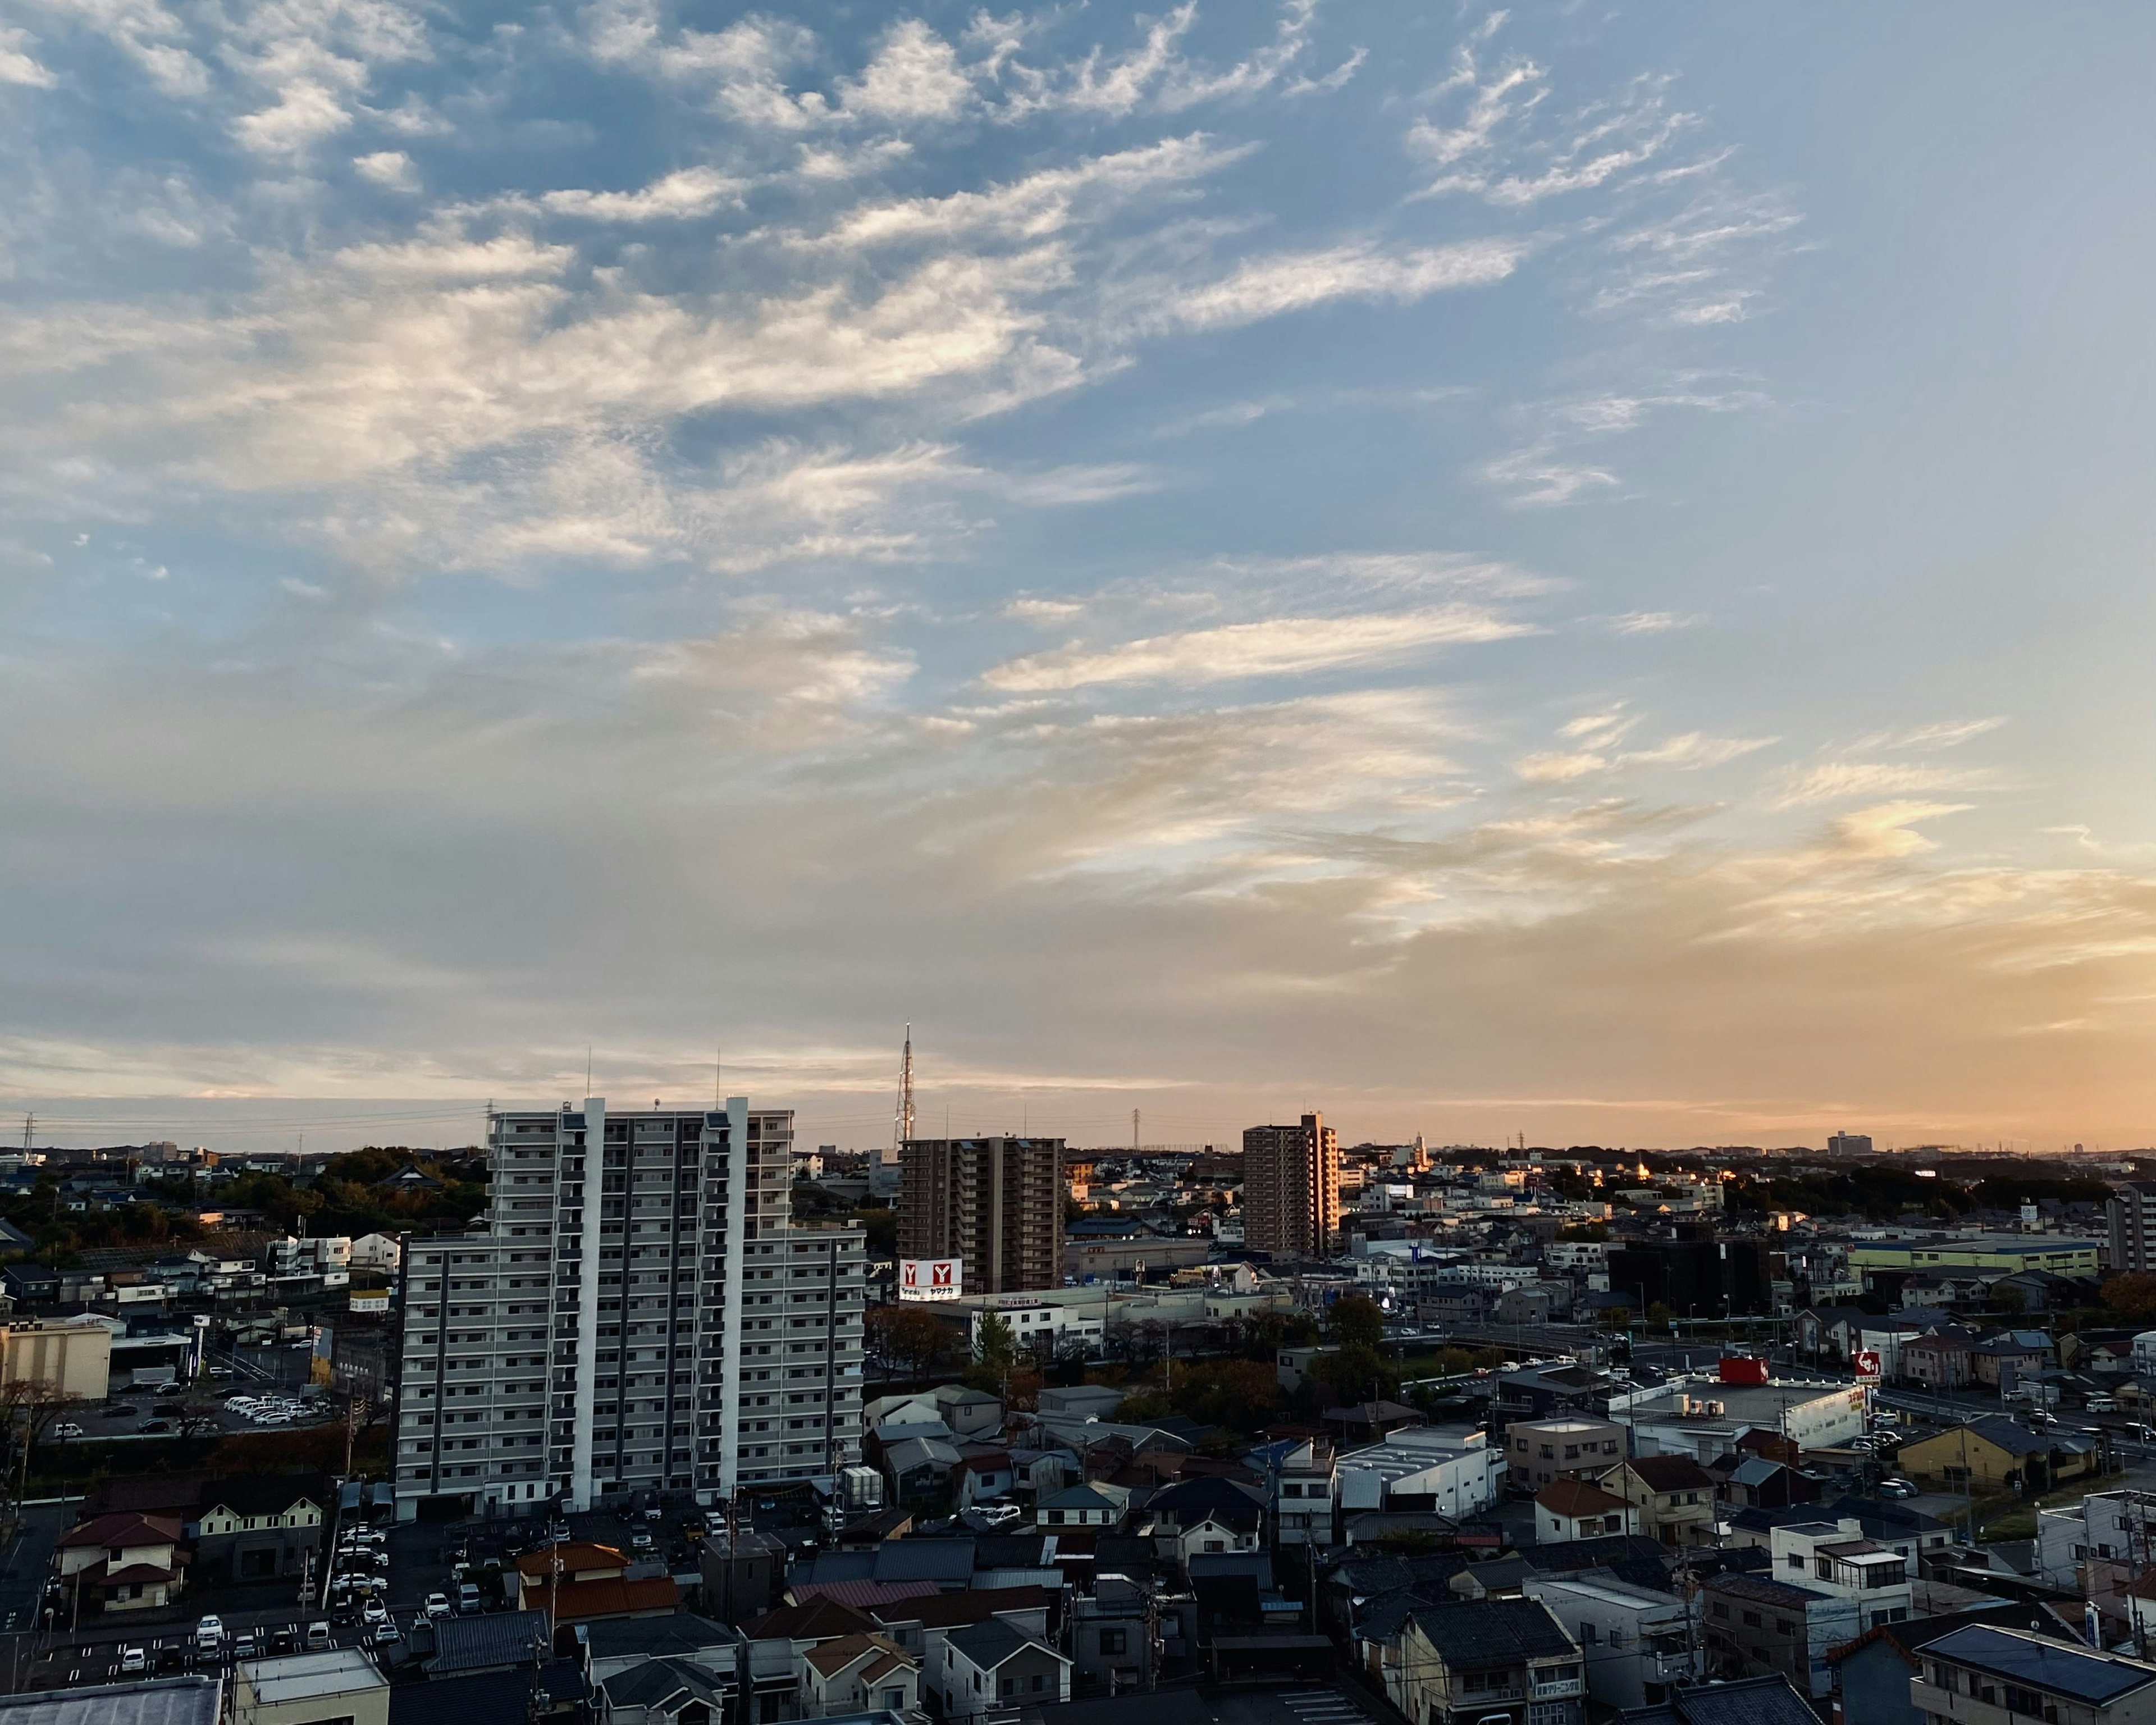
(901, 1125)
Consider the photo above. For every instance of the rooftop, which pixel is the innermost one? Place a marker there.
(305, 1676)
(2076, 1672)
(163, 1701)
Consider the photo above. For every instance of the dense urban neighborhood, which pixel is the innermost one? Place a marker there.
(661, 1415)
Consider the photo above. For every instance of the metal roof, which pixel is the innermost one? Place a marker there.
(162, 1701)
(2073, 1672)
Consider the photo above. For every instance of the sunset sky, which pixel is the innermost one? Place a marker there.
(1581, 571)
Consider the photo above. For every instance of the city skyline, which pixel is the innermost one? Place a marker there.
(1508, 572)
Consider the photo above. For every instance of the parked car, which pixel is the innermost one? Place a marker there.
(133, 1659)
(387, 1634)
(209, 1632)
(281, 1642)
(244, 1645)
(2102, 1405)
(172, 1657)
(318, 1637)
(67, 1429)
(1896, 1488)
(468, 1603)
(653, 1513)
(641, 1540)
(374, 1613)
(438, 1606)
(154, 1428)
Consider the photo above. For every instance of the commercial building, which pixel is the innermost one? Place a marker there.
(1572, 1445)
(73, 1355)
(634, 1312)
(339, 1688)
(1694, 1277)
(1849, 1144)
(1291, 1188)
(995, 1203)
(1453, 1471)
(1987, 1254)
(1704, 1421)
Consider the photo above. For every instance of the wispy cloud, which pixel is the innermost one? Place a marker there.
(1284, 646)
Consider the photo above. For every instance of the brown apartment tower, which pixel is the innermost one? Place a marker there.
(1291, 1188)
(995, 1203)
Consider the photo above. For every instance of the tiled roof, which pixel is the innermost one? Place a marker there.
(1480, 1633)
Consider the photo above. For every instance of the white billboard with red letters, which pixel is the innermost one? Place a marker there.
(931, 1278)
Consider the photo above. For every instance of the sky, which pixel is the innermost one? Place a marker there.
(1578, 572)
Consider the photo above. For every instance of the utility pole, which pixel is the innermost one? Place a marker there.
(1134, 1133)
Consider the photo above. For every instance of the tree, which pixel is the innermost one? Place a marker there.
(28, 1407)
(1356, 1322)
(995, 1353)
(905, 1341)
(2133, 1295)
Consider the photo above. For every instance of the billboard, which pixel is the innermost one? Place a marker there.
(931, 1278)
(1867, 1366)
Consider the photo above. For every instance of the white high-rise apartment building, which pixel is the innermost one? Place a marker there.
(634, 1312)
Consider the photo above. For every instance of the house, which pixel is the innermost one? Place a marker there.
(1753, 1701)
(1479, 1663)
(1833, 1331)
(1114, 1639)
(1995, 1453)
(1304, 1479)
(1578, 1509)
(1097, 1505)
(257, 1528)
(1673, 1495)
(1539, 1451)
(1539, 1392)
(664, 1691)
(1873, 1674)
(1941, 1359)
(123, 1562)
(993, 1667)
(578, 1582)
(1982, 1675)
(857, 1674)
(917, 1626)
(2000, 1360)
(971, 1413)
(982, 1477)
(1369, 1422)
(1638, 1645)
(1755, 1482)
(920, 1467)
(1083, 1401)
(1827, 1584)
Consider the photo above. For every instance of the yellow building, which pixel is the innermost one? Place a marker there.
(1995, 1454)
(1995, 1254)
(76, 1358)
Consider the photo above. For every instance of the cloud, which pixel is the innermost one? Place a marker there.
(1270, 286)
(1833, 780)
(1654, 623)
(1888, 829)
(1691, 751)
(690, 192)
(1945, 734)
(18, 63)
(392, 169)
(1286, 646)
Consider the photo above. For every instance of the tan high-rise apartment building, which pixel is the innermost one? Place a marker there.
(1292, 1187)
(995, 1203)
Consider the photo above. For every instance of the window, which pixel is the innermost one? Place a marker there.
(1796, 1560)
(1589, 1635)
(1112, 1640)
(1752, 1620)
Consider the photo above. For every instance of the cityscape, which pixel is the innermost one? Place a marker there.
(1143, 863)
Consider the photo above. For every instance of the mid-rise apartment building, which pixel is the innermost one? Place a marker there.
(2132, 1211)
(1982, 1675)
(634, 1312)
(995, 1203)
(1291, 1188)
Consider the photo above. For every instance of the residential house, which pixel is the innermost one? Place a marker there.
(1982, 1675)
(1572, 1445)
(1832, 1332)
(1577, 1509)
(983, 1477)
(1369, 1422)
(918, 1625)
(1491, 1661)
(1097, 1505)
(1116, 1644)
(1873, 1673)
(971, 1414)
(2001, 1360)
(1305, 1481)
(1756, 1482)
(1827, 1584)
(992, 1667)
(1673, 1494)
(1995, 1453)
(664, 1691)
(580, 1581)
(1754, 1701)
(858, 1674)
(259, 1526)
(1541, 1392)
(922, 1467)
(1940, 1359)
(124, 1561)
(1638, 1645)
(1205, 1514)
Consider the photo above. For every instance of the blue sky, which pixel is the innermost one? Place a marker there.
(1573, 571)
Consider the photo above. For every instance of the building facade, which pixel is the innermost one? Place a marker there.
(634, 1312)
(2132, 1211)
(1291, 1188)
(996, 1203)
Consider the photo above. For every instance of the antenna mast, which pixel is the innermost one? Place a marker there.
(901, 1125)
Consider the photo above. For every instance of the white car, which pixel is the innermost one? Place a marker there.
(374, 1613)
(67, 1429)
(438, 1606)
(210, 1632)
(133, 1659)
